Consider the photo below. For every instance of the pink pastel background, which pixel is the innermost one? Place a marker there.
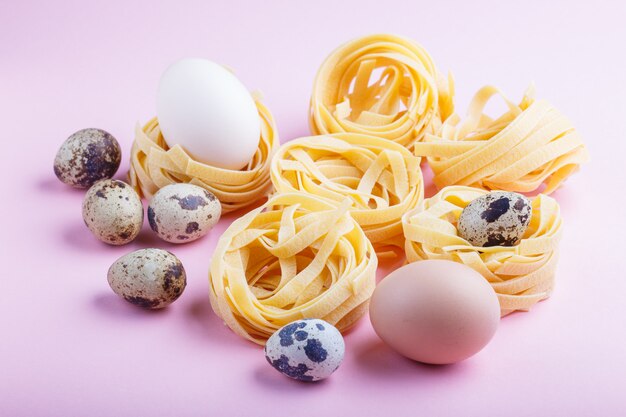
(69, 347)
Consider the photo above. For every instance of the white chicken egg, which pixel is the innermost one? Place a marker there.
(204, 108)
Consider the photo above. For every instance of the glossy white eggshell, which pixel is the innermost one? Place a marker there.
(204, 108)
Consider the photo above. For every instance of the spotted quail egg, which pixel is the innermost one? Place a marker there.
(499, 218)
(148, 278)
(306, 350)
(87, 156)
(181, 213)
(112, 210)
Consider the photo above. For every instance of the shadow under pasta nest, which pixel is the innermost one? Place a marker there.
(205, 324)
(227, 218)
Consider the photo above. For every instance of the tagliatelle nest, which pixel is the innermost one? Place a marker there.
(382, 179)
(381, 85)
(297, 256)
(529, 145)
(521, 275)
(154, 165)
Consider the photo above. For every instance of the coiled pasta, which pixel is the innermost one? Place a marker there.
(154, 165)
(521, 275)
(298, 256)
(529, 145)
(382, 179)
(407, 98)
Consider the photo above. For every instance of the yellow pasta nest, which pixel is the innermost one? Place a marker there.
(154, 165)
(521, 275)
(298, 256)
(382, 179)
(529, 145)
(381, 85)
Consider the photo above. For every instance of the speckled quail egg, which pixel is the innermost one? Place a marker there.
(181, 213)
(499, 218)
(306, 350)
(87, 156)
(148, 278)
(112, 210)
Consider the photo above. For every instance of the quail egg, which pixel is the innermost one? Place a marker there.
(87, 156)
(499, 218)
(148, 278)
(112, 210)
(181, 213)
(306, 350)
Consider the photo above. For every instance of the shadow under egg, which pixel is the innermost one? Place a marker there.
(78, 236)
(378, 360)
(203, 323)
(270, 378)
(114, 306)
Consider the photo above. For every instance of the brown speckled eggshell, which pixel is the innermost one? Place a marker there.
(148, 278)
(112, 210)
(86, 157)
(181, 213)
(499, 218)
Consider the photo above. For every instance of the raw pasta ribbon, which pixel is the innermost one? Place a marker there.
(521, 275)
(529, 145)
(382, 85)
(382, 179)
(298, 256)
(154, 165)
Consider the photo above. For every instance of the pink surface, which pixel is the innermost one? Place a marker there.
(69, 347)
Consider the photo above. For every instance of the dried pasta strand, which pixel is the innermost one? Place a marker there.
(530, 145)
(298, 256)
(406, 99)
(381, 178)
(154, 165)
(521, 275)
